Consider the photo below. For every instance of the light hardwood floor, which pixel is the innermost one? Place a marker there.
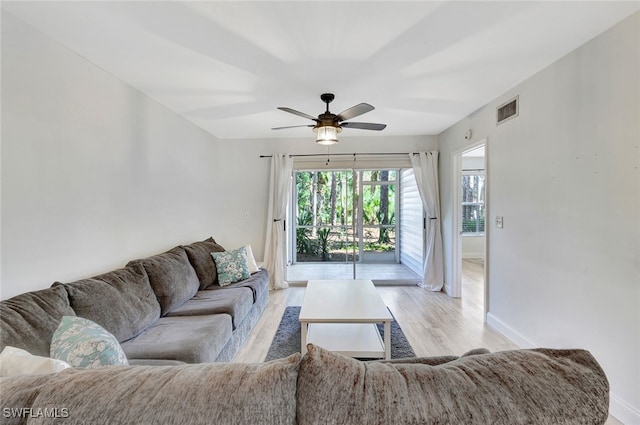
(434, 323)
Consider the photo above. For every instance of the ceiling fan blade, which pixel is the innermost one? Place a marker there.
(364, 125)
(292, 126)
(294, 112)
(354, 111)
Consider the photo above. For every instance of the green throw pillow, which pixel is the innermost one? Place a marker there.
(232, 265)
(83, 343)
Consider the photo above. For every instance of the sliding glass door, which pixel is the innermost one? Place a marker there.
(345, 225)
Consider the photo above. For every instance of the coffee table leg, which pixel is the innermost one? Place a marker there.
(387, 340)
(303, 338)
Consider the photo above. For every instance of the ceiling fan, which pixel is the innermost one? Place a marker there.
(328, 125)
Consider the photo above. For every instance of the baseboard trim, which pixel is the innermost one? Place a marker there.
(509, 332)
(618, 408)
(623, 411)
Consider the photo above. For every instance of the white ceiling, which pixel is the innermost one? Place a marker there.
(227, 65)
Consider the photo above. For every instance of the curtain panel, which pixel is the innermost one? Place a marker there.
(275, 255)
(425, 168)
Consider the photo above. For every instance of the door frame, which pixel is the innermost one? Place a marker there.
(456, 243)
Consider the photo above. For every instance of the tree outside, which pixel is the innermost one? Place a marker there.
(473, 193)
(325, 214)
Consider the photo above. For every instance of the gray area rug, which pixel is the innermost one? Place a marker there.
(287, 338)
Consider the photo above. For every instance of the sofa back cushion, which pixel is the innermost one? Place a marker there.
(120, 301)
(521, 386)
(207, 393)
(172, 278)
(199, 254)
(29, 320)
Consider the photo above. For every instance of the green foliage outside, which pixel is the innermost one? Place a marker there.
(325, 202)
(469, 226)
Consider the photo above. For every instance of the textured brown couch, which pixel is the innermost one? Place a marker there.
(512, 387)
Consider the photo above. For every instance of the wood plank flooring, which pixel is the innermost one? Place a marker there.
(434, 323)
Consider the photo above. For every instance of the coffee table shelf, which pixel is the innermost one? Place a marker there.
(349, 339)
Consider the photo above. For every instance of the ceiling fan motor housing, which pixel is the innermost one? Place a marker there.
(327, 119)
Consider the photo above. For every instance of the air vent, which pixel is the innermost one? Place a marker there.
(507, 110)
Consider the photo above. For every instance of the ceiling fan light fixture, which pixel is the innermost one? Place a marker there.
(328, 125)
(327, 134)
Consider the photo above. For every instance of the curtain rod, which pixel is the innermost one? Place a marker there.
(343, 154)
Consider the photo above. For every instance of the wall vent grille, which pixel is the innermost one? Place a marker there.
(507, 110)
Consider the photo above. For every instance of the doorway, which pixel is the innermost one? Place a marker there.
(346, 226)
(470, 212)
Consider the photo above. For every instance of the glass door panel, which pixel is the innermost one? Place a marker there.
(377, 223)
(324, 211)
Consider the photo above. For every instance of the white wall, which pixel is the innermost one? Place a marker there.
(93, 172)
(472, 163)
(472, 246)
(244, 182)
(565, 269)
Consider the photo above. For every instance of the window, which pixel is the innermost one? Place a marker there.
(472, 202)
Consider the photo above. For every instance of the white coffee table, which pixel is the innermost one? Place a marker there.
(341, 316)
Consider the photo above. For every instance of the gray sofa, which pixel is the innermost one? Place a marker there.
(164, 309)
(512, 387)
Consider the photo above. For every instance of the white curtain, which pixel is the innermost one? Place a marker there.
(275, 255)
(425, 168)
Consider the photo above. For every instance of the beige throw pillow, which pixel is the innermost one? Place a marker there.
(16, 361)
(251, 261)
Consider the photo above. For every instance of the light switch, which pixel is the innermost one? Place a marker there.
(499, 221)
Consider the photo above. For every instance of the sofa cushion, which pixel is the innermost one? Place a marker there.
(83, 343)
(235, 302)
(221, 393)
(29, 320)
(257, 282)
(232, 266)
(435, 360)
(521, 386)
(120, 301)
(199, 254)
(172, 278)
(154, 362)
(190, 339)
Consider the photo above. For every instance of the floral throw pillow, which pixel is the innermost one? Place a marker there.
(83, 343)
(232, 265)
